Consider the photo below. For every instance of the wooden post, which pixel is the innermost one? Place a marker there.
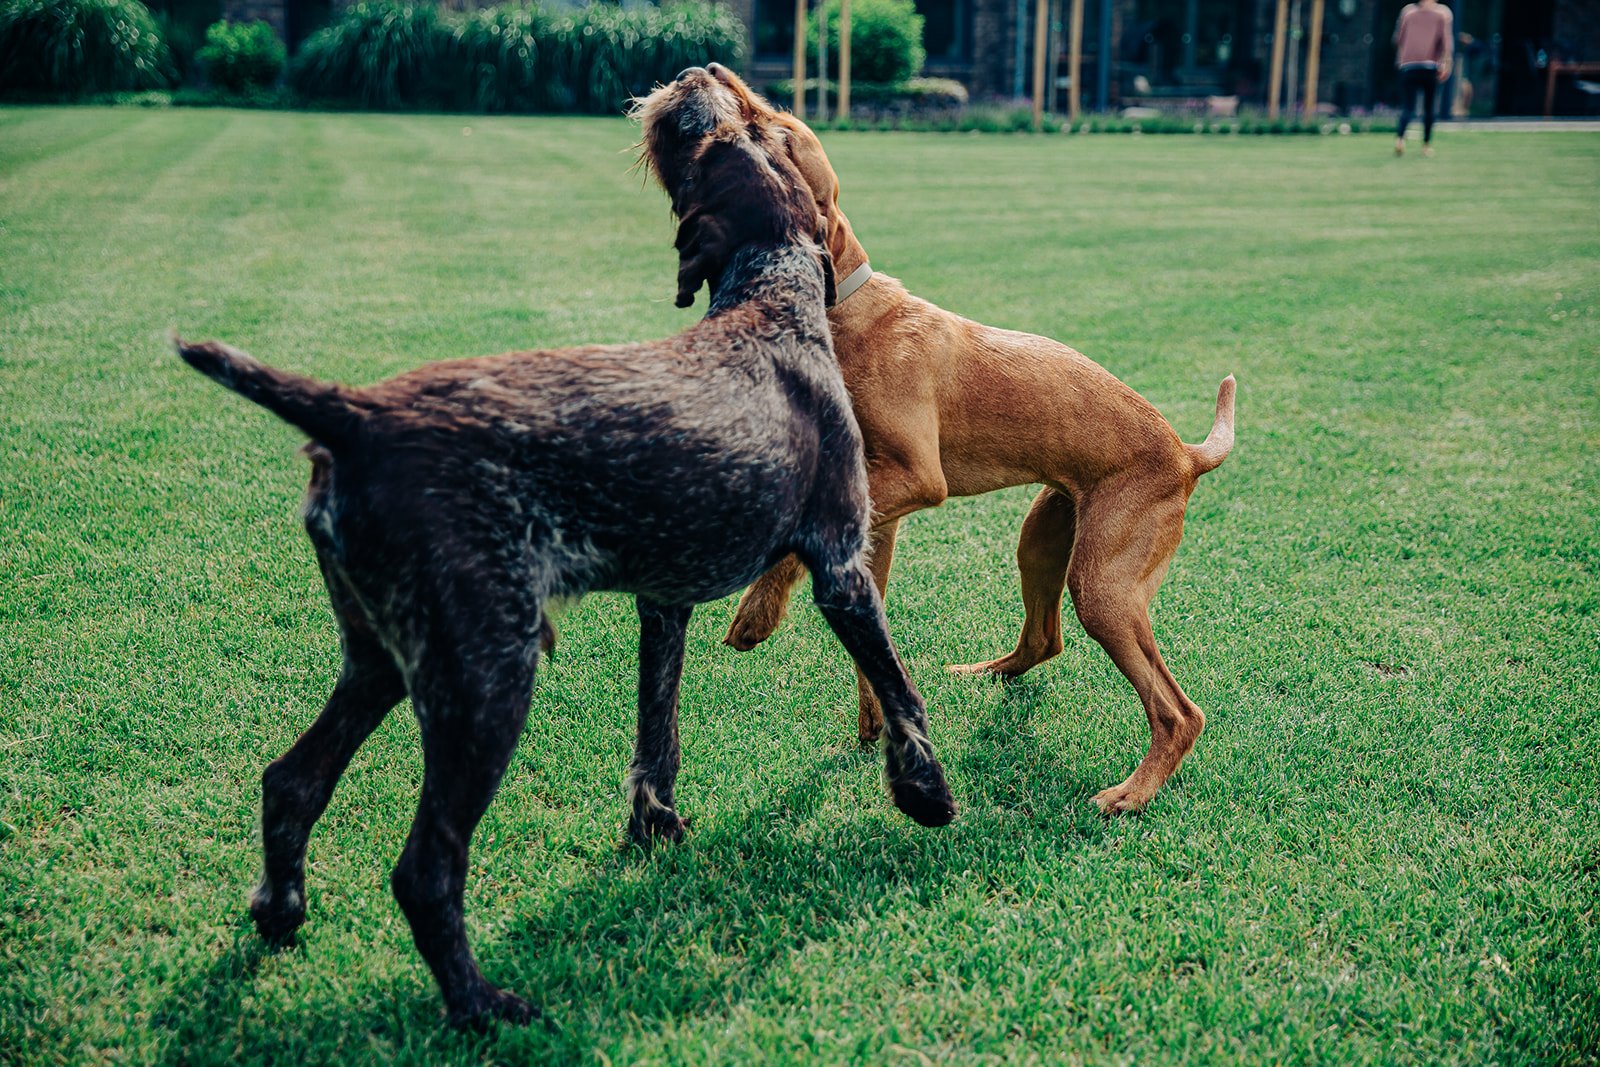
(1191, 34)
(1313, 60)
(1280, 30)
(822, 63)
(799, 105)
(1041, 40)
(1102, 65)
(1291, 62)
(1075, 61)
(844, 59)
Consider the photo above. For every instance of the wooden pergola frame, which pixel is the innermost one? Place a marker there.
(822, 75)
(1041, 42)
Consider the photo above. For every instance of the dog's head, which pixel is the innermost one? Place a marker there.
(804, 151)
(733, 181)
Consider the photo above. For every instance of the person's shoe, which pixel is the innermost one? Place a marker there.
(1399, 146)
(1427, 150)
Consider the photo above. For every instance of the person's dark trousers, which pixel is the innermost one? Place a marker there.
(1412, 81)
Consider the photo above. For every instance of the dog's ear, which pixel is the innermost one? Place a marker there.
(812, 162)
(702, 251)
(830, 291)
(720, 207)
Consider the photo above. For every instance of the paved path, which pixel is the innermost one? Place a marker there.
(1523, 125)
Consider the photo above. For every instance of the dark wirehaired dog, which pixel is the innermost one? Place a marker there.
(449, 505)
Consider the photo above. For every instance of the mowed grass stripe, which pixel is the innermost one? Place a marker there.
(1382, 850)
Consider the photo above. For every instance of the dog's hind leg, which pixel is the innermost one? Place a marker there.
(471, 696)
(764, 604)
(296, 787)
(1042, 556)
(869, 712)
(1121, 556)
(850, 603)
(662, 630)
(909, 482)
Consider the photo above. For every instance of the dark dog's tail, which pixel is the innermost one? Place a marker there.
(1209, 454)
(327, 413)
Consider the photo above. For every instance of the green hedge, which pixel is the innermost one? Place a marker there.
(915, 96)
(375, 55)
(241, 56)
(74, 48)
(509, 60)
(508, 57)
(885, 40)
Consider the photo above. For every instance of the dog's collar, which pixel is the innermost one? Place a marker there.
(843, 290)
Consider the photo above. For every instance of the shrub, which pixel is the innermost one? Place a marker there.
(241, 55)
(78, 47)
(377, 54)
(980, 118)
(916, 97)
(506, 56)
(510, 57)
(271, 97)
(885, 39)
(183, 41)
(610, 54)
(690, 33)
(890, 106)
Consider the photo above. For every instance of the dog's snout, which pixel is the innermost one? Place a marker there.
(718, 71)
(687, 71)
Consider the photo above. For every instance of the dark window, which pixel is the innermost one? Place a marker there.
(305, 17)
(774, 28)
(946, 34)
(946, 31)
(1164, 37)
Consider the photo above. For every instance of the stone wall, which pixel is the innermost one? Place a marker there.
(994, 47)
(1351, 46)
(1355, 52)
(1577, 27)
(273, 12)
(1348, 50)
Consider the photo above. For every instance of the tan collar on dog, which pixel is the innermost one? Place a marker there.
(842, 291)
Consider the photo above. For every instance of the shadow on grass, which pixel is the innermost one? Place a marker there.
(215, 993)
(1028, 787)
(638, 941)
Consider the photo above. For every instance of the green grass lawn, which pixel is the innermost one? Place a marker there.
(1384, 850)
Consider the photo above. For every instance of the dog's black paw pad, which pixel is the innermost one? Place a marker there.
(492, 1006)
(646, 830)
(277, 921)
(928, 802)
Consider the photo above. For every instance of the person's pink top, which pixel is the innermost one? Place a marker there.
(1423, 35)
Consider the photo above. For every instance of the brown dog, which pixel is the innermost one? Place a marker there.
(950, 407)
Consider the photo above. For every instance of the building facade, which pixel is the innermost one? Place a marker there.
(1154, 51)
(1165, 51)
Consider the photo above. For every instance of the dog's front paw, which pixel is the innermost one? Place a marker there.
(1126, 798)
(645, 828)
(869, 720)
(748, 630)
(922, 794)
(487, 1005)
(277, 915)
(1012, 665)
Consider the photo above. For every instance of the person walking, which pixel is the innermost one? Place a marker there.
(1423, 44)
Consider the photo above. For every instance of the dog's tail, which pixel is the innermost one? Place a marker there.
(1209, 454)
(326, 412)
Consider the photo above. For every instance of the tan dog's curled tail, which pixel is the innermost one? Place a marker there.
(1209, 454)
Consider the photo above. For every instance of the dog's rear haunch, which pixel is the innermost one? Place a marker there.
(449, 505)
